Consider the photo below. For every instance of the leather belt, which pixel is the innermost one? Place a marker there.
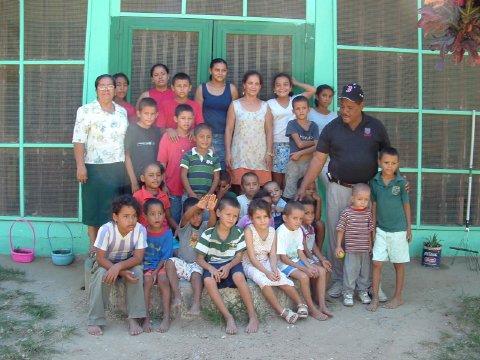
(340, 182)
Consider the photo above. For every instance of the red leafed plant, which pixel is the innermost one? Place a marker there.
(453, 27)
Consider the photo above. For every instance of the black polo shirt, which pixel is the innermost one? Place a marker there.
(353, 153)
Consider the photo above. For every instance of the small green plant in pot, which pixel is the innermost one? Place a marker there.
(432, 252)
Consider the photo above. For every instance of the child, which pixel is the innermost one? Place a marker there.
(303, 135)
(250, 185)
(141, 141)
(391, 212)
(159, 249)
(293, 262)
(219, 253)
(200, 168)
(152, 177)
(181, 85)
(260, 194)
(356, 226)
(260, 260)
(170, 154)
(278, 204)
(120, 246)
(318, 223)
(121, 89)
(224, 185)
(184, 266)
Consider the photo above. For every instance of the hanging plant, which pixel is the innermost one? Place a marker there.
(453, 26)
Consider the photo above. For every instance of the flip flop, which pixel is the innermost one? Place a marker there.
(302, 311)
(289, 316)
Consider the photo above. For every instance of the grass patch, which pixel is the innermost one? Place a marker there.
(38, 311)
(9, 274)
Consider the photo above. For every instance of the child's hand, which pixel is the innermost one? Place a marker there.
(191, 136)
(212, 202)
(268, 161)
(172, 135)
(277, 273)
(338, 252)
(112, 274)
(311, 271)
(129, 276)
(216, 275)
(135, 186)
(409, 235)
(316, 197)
(295, 156)
(326, 264)
(203, 202)
(228, 160)
(224, 271)
(271, 276)
(155, 276)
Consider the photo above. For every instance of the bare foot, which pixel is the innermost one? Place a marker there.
(231, 327)
(326, 311)
(329, 299)
(135, 328)
(393, 304)
(252, 326)
(165, 324)
(318, 315)
(373, 306)
(194, 310)
(176, 303)
(94, 330)
(147, 325)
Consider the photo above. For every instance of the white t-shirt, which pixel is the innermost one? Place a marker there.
(321, 120)
(244, 202)
(288, 243)
(281, 116)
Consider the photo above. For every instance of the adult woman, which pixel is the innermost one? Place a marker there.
(121, 89)
(98, 139)
(248, 133)
(215, 96)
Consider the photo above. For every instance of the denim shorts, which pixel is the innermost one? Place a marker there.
(282, 155)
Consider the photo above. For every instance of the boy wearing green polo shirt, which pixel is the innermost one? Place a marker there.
(391, 211)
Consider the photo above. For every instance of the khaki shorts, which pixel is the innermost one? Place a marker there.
(391, 246)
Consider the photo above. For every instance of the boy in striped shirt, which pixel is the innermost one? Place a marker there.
(200, 168)
(219, 253)
(357, 227)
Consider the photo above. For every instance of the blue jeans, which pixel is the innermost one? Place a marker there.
(176, 207)
(218, 143)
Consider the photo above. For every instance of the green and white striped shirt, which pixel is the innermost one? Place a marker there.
(217, 250)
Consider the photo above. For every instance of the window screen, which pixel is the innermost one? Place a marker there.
(9, 31)
(176, 49)
(55, 29)
(268, 54)
(209, 7)
(51, 188)
(152, 6)
(9, 103)
(49, 114)
(9, 182)
(292, 9)
(475, 206)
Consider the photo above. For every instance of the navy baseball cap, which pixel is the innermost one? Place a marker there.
(352, 92)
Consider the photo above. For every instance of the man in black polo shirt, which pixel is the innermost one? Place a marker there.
(352, 141)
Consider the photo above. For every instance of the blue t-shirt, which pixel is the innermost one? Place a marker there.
(159, 247)
(293, 127)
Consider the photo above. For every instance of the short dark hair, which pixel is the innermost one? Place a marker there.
(119, 75)
(244, 176)
(125, 200)
(228, 201)
(252, 73)
(308, 200)
(260, 194)
(165, 67)
(321, 88)
(181, 76)
(154, 163)
(183, 107)
(189, 202)
(259, 204)
(200, 127)
(152, 202)
(148, 101)
(104, 76)
(388, 150)
(225, 176)
(291, 206)
(299, 98)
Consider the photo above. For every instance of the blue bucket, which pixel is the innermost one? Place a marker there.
(431, 257)
(61, 257)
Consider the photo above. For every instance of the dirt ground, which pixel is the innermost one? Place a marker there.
(354, 333)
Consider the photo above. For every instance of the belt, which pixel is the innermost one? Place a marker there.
(340, 182)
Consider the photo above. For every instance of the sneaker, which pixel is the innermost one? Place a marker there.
(348, 299)
(363, 295)
(382, 297)
(335, 290)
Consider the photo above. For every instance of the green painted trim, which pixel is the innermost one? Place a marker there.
(448, 171)
(376, 49)
(9, 62)
(38, 218)
(9, 145)
(184, 7)
(420, 121)
(390, 110)
(49, 146)
(245, 8)
(21, 87)
(417, 110)
(447, 112)
(310, 11)
(324, 44)
(54, 62)
(115, 6)
(335, 52)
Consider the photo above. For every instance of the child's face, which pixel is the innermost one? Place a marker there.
(184, 120)
(196, 219)
(311, 189)
(293, 221)
(219, 72)
(274, 191)
(325, 98)
(301, 109)
(250, 186)
(282, 87)
(309, 215)
(121, 87)
(126, 219)
(389, 164)
(361, 199)
(228, 216)
(160, 77)
(223, 186)
(203, 139)
(181, 88)
(155, 216)
(147, 116)
(260, 219)
(152, 177)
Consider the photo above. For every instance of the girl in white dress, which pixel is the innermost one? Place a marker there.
(260, 261)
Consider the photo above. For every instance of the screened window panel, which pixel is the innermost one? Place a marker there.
(446, 141)
(444, 198)
(152, 6)
(267, 54)
(9, 103)
(387, 23)
(388, 79)
(49, 115)
(475, 206)
(51, 188)
(176, 49)
(9, 29)
(209, 7)
(55, 29)
(454, 88)
(9, 182)
(412, 179)
(290, 9)
(402, 130)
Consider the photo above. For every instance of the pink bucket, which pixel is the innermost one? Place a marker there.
(23, 255)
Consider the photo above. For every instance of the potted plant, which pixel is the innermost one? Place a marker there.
(432, 251)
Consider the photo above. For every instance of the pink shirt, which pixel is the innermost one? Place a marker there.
(143, 195)
(170, 154)
(245, 221)
(166, 112)
(131, 112)
(160, 97)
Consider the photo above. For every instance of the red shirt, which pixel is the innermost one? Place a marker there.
(143, 195)
(170, 154)
(131, 112)
(160, 97)
(166, 112)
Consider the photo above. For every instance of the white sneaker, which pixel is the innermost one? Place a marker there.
(335, 290)
(382, 297)
(348, 299)
(363, 295)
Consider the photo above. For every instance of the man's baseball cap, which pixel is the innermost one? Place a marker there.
(352, 92)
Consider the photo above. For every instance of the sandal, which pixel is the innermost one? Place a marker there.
(290, 316)
(302, 311)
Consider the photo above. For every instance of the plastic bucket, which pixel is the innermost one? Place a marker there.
(61, 257)
(22, 255)
(431, 257)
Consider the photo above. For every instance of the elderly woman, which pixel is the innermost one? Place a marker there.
(98, 139)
